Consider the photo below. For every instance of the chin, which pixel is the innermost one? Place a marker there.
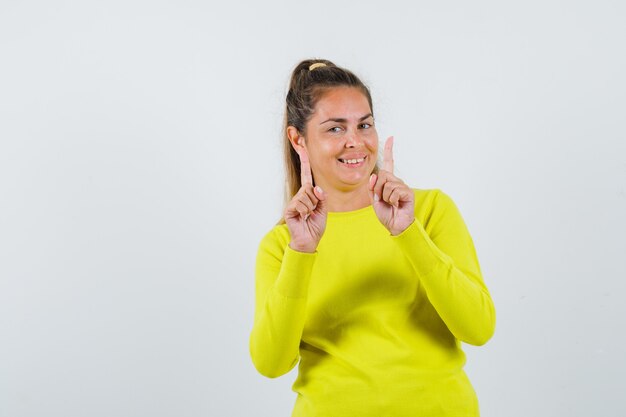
(353, 181)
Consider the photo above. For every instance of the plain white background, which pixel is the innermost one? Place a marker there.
(140, 166)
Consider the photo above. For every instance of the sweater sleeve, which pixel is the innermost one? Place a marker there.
(445, 261)
(282, 280)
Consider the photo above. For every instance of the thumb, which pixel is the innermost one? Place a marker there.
(321, 196)
(370, 186)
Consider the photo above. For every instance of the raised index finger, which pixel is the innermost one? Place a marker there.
(388, 155)
(305, 168)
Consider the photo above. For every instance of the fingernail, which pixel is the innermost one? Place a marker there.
(376, 197)
(319, 189)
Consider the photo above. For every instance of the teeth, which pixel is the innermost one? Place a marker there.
(352, 161)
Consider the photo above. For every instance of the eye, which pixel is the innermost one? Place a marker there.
(335, 129)
(365, 125)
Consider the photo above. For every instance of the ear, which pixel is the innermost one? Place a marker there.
(296, 139)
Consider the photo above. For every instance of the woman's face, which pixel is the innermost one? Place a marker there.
(341, 140)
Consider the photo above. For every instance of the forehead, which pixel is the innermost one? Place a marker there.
(342, 102)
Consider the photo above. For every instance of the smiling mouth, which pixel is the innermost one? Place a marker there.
(352, 161)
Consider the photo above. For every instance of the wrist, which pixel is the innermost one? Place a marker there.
(400, 230)
(304, 248)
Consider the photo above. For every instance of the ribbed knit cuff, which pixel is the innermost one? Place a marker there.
(295, 273)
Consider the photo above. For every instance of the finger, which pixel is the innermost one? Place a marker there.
(388, 155)
(309, 191)
(405, 194)
(321, 199)
(370, 186)
(291, 211)
(372, 182)
(308, 198)
(388, 189)
(381, 180)
(303, 198)
(398, 195)
(302, 209)
(305, 168)
(319, 195)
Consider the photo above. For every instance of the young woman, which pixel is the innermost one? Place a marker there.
(370, 285)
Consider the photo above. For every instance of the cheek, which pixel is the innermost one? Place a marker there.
(372, 143)
(330, 149)
(320, 155)
(373, 146)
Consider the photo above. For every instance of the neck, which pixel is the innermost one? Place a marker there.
(347, 200)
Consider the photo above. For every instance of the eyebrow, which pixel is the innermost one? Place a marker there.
(341, 120)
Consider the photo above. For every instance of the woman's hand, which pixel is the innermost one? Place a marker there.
(306, 213)
(392, 199)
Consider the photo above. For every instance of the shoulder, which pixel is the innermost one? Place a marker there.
(432, 199)
(275, 241)
(434, 208)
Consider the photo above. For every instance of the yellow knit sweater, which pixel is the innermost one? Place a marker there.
(375, 320)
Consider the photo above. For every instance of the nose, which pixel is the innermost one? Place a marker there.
(353, 140)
